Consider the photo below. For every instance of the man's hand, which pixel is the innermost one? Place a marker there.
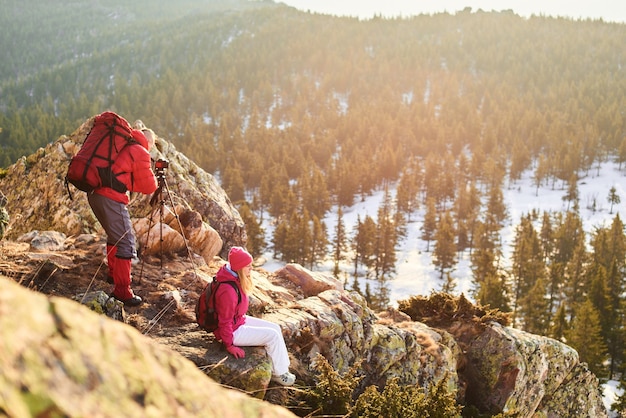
(236, 351)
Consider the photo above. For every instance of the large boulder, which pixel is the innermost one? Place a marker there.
(512, 370)
(508, 370)
(58, 358)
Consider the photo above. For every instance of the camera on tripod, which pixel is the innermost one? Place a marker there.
(161, 164)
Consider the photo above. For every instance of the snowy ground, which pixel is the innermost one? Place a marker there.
(416, 274)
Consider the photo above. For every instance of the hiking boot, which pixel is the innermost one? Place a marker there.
(285, 379)
(131, 302)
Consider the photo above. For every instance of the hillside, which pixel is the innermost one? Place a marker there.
(300, 117)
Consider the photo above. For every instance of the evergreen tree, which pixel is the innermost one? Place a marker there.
(568, 233)
(541, 172)
(254, 230)
(232, 181)
(484, 257)
(528, 265)
(613, 198)
(608, 265)
(319, 241)
(467, 210)
(364, 244)
(444, 254)
(430, 223)
(495, 214)
(493, 291)
(585, 335)
(297, 238)
(546, 235)
(386, 240)
(534, 309)
(572, 190)
(407, 199)
(279, 238)
(339, 243)
(559, 325)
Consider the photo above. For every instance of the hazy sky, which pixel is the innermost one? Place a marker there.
(609, 10)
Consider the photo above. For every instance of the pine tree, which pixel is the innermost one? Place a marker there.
(319, 241)
(483, 258)
(534, 309)
(585, 335)
(467, 209)
(430, 223)
(364, 241)
(567, 235)
(613, 198)
(444, 254)
(528, 265)
(572, 190)
(494, 291)
(495, 214)
(383, 243)
(254, 230)
(339, 242)
(407, 192)
(232, 181)
(559, 324)
(386, 240)
(575, 276)
(541, 172)
(546, 235)
(279, 238)
(609, 259)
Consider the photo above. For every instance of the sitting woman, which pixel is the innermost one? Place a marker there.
(236, 329)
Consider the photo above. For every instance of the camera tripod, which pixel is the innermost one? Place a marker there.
(159, 198)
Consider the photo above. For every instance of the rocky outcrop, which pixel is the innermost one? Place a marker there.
(38, 199)
(511, 370)
(488, 365)
(60, 359)
(485, 364)
(507, 370)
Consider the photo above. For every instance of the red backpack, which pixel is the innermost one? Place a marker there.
(206, 316)
(90, 168)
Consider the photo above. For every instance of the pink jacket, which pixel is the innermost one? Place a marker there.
(230, 314)
(133, 168)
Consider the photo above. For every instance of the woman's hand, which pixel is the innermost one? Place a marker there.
(236, 351)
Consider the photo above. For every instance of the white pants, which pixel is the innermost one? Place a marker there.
(257, 332)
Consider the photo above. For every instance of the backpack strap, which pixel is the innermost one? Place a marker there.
(214, 292)
(230, 282)
(217, 285)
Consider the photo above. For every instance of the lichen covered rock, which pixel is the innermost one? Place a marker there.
(58, 358)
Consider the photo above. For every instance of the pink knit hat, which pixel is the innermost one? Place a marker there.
(238, 258)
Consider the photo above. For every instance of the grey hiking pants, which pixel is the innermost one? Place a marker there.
(115, 219)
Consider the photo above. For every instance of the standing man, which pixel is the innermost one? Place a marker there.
(132, 168)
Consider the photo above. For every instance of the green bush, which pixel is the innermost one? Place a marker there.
(406, 402)
(334, 395)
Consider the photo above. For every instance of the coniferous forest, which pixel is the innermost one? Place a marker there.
(298, 114)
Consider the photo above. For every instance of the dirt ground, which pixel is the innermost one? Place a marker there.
(169, 285)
